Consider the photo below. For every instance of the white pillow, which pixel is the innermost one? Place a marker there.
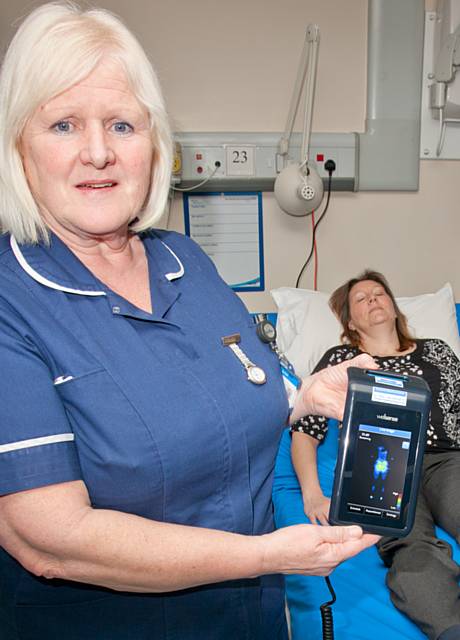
(306, 327)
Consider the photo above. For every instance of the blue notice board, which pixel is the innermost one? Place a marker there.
(228, 227)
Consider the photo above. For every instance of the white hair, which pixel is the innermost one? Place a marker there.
(57, 46)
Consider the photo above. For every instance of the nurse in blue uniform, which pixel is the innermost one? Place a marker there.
(141, 413)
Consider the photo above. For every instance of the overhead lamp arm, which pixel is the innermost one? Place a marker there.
(298, 186)
(306, 78)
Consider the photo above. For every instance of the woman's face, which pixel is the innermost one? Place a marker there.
(87, 155)
(370, 305)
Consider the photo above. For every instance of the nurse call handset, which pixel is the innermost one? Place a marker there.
(381, 448)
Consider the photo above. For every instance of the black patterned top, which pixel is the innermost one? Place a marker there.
(432, 360)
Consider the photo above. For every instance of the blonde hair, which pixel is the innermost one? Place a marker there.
(57, 46)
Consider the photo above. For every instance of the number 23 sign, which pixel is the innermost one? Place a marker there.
(240, 160)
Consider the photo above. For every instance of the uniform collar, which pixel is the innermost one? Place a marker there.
(175, 268)
(57, 267)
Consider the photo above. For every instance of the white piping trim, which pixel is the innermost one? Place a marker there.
(37, 442)
(177, 274)
(41, 279)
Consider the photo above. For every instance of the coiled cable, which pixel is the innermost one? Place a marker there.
(326, 613)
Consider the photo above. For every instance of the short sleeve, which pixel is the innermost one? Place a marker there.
(451, 364)
(37, 445)
(314, 426)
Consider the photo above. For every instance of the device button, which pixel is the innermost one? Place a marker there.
(391, 514)
(355, 508)
(372, 512)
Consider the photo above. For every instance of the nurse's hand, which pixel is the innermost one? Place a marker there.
(323, 393)
(313, 550)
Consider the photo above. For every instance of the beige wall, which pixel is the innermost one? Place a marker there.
(230, 66)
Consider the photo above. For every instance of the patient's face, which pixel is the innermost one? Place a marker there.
(370, 305)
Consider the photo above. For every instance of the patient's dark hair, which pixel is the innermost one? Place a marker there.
(339, 302)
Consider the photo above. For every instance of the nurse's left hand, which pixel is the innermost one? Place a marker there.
(323, 393)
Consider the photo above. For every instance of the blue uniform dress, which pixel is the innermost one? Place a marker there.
(154, 414)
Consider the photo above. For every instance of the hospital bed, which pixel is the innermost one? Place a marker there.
(363, 610)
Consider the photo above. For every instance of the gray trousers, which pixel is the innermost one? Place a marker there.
(422, 577)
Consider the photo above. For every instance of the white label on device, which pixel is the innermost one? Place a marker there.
(389, 396)
(394, 382)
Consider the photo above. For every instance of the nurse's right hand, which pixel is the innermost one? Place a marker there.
(312, 549)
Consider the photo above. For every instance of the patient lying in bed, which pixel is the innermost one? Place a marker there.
(422, 577)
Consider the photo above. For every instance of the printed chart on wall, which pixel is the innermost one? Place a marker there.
(228, 227)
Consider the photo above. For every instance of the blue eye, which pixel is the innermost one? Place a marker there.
(62, 127)
(122, 128)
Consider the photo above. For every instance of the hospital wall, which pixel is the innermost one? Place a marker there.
(230, 66)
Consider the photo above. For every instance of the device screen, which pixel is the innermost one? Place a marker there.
(380, 467)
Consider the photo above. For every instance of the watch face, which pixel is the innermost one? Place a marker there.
(257, 375)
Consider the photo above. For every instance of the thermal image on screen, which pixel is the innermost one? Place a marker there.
(380, 468)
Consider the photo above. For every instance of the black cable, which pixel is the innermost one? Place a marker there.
(329, 185)
(326, 613)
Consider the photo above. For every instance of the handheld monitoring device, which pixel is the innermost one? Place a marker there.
(382, 442)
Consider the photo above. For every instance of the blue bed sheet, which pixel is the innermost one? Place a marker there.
(363, 610)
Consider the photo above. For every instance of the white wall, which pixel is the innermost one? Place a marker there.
(230, 66)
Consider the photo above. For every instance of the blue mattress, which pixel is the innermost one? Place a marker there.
(363, 610)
